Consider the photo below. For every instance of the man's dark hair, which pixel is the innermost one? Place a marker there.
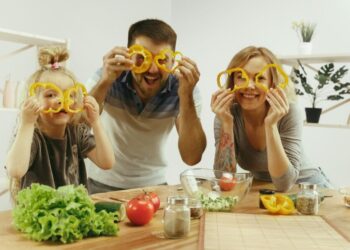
(157, 30)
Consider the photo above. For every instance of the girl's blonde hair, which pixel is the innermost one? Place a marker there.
(48, 58)
(242, 58)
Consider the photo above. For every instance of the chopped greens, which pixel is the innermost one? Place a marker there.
(216, 204)
(66, 214)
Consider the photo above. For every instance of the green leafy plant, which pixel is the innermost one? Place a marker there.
(329, 85)
(305, 31)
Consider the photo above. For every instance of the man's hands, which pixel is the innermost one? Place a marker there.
(188, 75)
(114, 63)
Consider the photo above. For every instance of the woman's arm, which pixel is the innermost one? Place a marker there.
(102, 155)
(225, 158)
(17, 161)
(282, 153)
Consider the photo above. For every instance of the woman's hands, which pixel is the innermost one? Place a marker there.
(221, 102)
(279, 106)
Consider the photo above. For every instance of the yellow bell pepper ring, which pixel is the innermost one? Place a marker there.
(68, 100)
(282, 85)
(278, 204)
(52, 86)
(229, 72)
(163, 55)
(147, 58)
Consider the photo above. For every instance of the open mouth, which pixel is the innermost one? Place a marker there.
(249, 96)
(151, 80)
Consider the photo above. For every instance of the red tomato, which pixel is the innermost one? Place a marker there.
(153, 197)
(226, 183)
(139, 211)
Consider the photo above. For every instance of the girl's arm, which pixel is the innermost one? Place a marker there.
(225, 158)
(102, 155)
(17, 161)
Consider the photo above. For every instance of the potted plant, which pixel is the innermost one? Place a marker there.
(329, 87)
(305, 32)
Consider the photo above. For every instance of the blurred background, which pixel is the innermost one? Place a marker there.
(209, 32)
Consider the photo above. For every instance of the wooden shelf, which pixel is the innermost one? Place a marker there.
(26, 38)
(326, 125)
(292, 60)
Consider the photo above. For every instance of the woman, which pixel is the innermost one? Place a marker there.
(259, 127)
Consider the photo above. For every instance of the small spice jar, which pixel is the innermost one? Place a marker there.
(307, 199)
(195, 208)
(177, 217)
(264, 192)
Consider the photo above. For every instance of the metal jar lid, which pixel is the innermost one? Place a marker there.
(307, 185)
(177, 200)
(266, 191)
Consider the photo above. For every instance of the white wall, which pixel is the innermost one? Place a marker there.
(209, 32)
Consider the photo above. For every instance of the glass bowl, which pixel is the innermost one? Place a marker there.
(346, 195)
(217, 190)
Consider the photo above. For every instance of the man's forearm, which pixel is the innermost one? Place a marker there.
(192, 141)
(99, 92)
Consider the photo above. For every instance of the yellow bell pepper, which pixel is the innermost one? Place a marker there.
(278, 204)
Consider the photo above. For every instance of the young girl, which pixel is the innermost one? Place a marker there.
(259, 126)
(50, 145)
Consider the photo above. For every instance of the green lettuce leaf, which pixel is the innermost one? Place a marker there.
(66, 214)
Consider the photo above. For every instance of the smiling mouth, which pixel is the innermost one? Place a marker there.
(151, 80)
(249, 95)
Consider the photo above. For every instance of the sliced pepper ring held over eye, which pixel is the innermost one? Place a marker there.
(68, 100)
(176, 55)
(35, 86)
(223, 83)
(138, 50)
(283, 75)
(278, 204)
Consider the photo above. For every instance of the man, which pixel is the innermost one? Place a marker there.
(140, 109)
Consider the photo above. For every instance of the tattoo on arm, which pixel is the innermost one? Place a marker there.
(225, 158)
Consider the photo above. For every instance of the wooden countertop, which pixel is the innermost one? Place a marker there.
(151, 236)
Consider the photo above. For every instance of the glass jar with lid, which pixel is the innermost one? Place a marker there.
(177, 217)
(307, 199)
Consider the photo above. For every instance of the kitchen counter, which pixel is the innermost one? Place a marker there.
(151, 236)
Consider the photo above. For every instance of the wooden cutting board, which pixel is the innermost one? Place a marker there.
(255, 231)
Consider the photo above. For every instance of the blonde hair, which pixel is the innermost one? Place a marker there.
(242, 58)
(47, 58)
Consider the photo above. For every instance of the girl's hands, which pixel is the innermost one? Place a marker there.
(92, 109)
(30, 111)
(279, 106)
(221, 102)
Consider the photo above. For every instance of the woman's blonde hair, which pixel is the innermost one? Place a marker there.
(242, 58)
